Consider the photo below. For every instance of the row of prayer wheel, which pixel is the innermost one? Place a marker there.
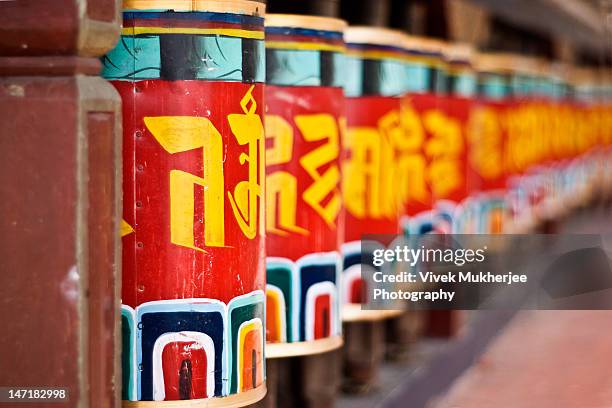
(257, 152)
(259, 149)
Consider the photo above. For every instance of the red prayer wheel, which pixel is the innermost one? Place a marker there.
(372, 180)
(453, 203)
(191, 77)
(486, 139)
(304, 124)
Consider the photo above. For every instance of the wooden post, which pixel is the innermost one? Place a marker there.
(402, 333)
(309, 381)
(59, 199)
(364, 352)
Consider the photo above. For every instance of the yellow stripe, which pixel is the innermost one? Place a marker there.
(460, 71)
(429, 61)
(295, 45)
(228, 32)
(387, 55)
(125, 228)
(377, 55)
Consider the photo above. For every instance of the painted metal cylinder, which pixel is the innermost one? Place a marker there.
(304, 122)
(372, 181)
(590, 167)
(433, 160)
(191, 77)
(487, 139)
(521, 124)
(455, 204)
(435, 108)
(550, 158)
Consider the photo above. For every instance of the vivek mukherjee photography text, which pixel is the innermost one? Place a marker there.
(485, 271)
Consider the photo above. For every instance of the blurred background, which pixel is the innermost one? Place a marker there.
(573, 31)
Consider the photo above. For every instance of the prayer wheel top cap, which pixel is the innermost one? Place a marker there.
(246, 7)
(518, 64)
(501, 63)
(526, 65)
(561, 71)
(309, 22)
(583, 76)
(424, 45)
(544, 67)
(459, 53)
(374, 35)
(601, 76)
(590, 77)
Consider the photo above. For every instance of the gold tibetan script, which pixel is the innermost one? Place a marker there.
(178, 134)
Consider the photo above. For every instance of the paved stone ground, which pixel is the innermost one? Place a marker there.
(543, 359)
(434, 366)
(393, 376)
(559, 359)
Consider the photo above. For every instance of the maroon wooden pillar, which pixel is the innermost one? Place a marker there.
(59, 200)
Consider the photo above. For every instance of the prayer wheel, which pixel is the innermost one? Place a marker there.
(191, 78)
(432, 168)
(371, 185)
(454, 211)
(486, 140)
(305, 107)
(455, 202)
(304, 125)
